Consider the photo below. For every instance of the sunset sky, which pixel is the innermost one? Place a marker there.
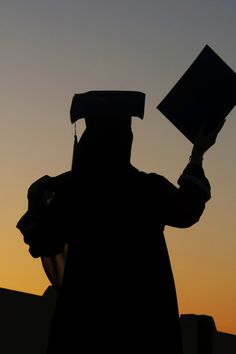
(55, 48)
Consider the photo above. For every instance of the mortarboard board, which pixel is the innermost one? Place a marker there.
(205, 93)
(107, 104)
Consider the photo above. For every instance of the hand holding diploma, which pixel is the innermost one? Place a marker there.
(204, 142)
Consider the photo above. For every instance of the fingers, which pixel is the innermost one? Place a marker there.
(202, 130)
(218, 127)
(214, 133)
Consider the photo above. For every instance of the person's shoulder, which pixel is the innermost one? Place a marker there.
(61, 182)
(147, 177)
(64, 177)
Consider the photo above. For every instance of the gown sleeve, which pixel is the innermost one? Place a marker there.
(181, 206)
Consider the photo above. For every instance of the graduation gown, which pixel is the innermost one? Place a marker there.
(118, 292)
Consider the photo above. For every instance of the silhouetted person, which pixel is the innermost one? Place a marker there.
(99, 231)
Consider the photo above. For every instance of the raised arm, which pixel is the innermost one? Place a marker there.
(183, 206)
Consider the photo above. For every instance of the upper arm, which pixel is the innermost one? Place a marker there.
(177, 206)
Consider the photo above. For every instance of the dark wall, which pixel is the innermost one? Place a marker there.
(25, 321)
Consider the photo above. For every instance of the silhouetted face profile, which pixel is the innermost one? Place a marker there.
(105, 145)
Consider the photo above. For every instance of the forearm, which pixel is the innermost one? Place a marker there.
(54, 267)
(193, 182)
(188, 202)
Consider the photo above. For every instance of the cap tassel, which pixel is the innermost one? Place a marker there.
(74, 156)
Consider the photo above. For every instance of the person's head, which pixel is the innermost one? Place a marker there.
(106, 143)
(107, 140)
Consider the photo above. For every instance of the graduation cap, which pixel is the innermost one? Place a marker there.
(206, 93)
(114, 106)
(110, 104)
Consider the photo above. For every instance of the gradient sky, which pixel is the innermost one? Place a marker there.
(53, 49)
